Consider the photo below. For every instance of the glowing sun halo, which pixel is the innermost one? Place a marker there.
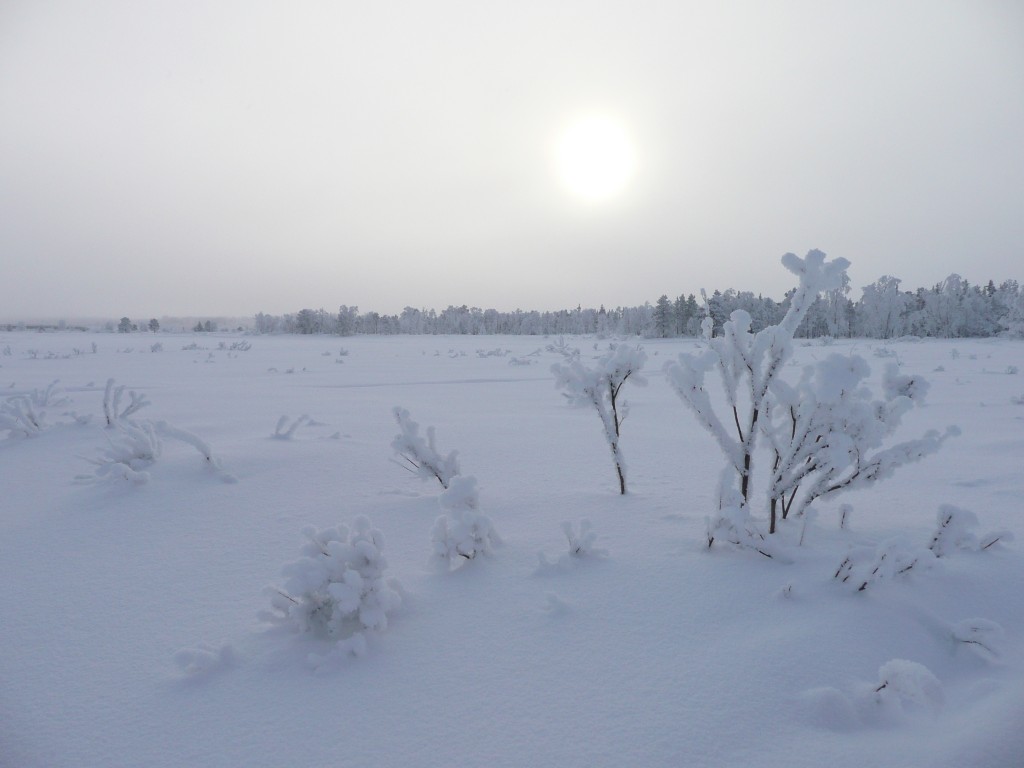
(595, 158)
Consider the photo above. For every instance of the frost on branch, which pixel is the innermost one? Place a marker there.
(189, 438)
(825, 433)
(982, 636)
(600, 386)
(113, 410)
(337, 590)
(462, 533)
(420, 456)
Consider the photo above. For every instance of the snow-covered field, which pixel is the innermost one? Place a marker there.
(130, 613)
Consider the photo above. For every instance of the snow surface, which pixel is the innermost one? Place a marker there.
(131, 631)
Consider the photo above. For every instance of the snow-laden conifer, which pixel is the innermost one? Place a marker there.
(600, 385)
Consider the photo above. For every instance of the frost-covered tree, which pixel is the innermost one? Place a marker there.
(882, 309)
(825, 433)
(337, 590)
(600, 385)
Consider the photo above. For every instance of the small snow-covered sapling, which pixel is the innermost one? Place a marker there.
(600, 385)
(420, 456)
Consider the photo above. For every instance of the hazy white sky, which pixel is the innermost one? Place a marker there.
(202, 157)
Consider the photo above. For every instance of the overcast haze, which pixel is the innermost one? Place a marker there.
(235, 157)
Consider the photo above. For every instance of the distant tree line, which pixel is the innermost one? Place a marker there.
(951, 309)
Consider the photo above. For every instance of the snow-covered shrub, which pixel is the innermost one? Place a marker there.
(600, 385)
(337, 590)
(567, 351)
(113, 411)
(862, 567)
(285, 430)
(421, 455)
(462, 533)
(128, 454)
(826, 434)
(905, 682)
(24, 415)
(19, 419)
(581, 543)
(954, 532)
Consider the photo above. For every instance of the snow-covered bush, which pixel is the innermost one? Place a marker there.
(581, 543)
(862, 567)
(19, 418)
(113, 411)
(128, 454)
(828, 433)
(24, 415)
(567, 351)
(600, 385)
(421, 455)
(825, 433)
(462, 533)
(338, 590)
(954, 532)
(903, 682)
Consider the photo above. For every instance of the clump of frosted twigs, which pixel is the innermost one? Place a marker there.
(24, 415)
(113, 410)
(954, 532)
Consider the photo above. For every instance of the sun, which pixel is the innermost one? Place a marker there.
(595, 158)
